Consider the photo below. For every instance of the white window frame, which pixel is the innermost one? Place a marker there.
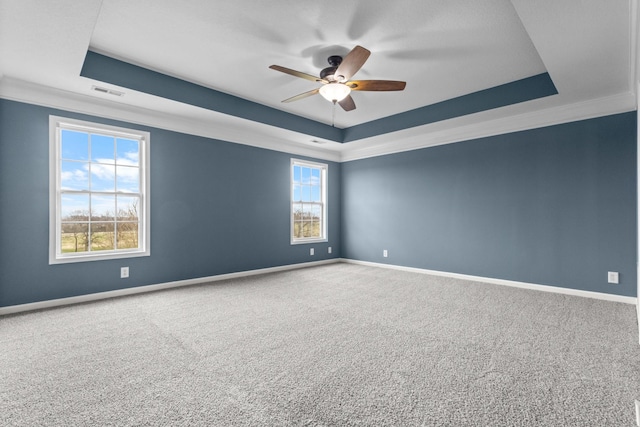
(324, 171)
(56, 125)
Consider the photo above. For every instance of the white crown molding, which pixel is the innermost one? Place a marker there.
(232, 129)
(539, 118)
(241, 131)
(502, 282)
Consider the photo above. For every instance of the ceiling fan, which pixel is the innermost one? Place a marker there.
(336, 86)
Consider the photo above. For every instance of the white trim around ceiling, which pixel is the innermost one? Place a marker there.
(246, 132)
(242, 131)
(535, 119)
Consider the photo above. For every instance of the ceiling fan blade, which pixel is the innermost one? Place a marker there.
(377, 85)
(347, 103)
(297, 74)
(352, 63)
(302, 95)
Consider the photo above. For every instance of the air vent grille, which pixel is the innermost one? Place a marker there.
(107, 91)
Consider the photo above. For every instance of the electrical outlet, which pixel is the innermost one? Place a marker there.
(124, 272)
(385, 253)
(638, 412)
(311, 251)
(329, 250)
(613, 277)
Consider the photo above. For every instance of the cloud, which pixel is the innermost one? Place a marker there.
(128, 174)
(130, 158)
(125, 174)
(75, 179)
(101, 171)
(74, 175)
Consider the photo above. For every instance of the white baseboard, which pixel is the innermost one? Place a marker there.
(638, 316)
(523, 285)
(150, 288)
(179, 283)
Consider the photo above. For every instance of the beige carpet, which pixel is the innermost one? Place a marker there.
(333, 345)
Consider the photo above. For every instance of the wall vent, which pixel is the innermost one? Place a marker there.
(107, 91)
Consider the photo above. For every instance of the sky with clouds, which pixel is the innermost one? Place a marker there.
(99, 163)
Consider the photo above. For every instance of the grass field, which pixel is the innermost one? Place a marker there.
(306, 229)
(100, 241)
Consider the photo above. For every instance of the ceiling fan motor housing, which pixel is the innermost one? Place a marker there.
(328, 73)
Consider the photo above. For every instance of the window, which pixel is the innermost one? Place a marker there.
(308, 201)
(99, 186)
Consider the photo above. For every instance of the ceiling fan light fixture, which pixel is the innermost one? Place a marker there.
(335, 92)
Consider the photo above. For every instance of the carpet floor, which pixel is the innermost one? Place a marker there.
(335, 345)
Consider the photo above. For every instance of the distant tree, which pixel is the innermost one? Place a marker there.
(76, 226)
(127, 227)
(305, 224)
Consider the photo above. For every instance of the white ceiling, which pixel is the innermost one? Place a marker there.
(442, 49)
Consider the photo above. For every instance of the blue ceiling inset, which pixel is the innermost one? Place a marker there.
(522, 90)
(109, 70)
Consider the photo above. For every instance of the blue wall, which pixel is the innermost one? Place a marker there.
(216, 208)
(554, 206)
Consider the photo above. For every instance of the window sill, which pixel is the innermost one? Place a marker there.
(101, 257)
(306, 241)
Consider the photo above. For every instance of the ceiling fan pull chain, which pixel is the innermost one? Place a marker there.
(333, 115)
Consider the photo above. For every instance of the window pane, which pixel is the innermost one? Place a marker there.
(297, 211)
(315, 193)
(127, 235)
(315, 176)
(313, 229)
(308, 229)
(102, 236)
(127, 152)
(102, 149)
(103, 208)
(306, 193)
(74, 145)
(74, 207)
(296, 174)
(74, 237)
(316, 211)
(306, 175)
(297, 193)
(128, 179)
(103, 177)
(74, 176)
(308, 209)
(128, 208)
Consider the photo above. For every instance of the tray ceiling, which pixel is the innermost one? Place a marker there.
(443, 50)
